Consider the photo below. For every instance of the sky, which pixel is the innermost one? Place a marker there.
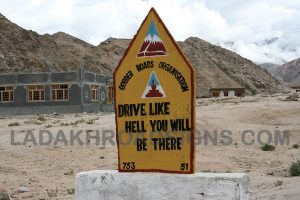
(260, 30)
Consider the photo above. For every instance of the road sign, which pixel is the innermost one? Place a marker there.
(155, 103)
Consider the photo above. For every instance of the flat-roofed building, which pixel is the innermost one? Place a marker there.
(61, 92)
(295, 88)
(227, 92)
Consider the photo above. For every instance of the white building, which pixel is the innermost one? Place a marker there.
(296, 89)
(227, 92)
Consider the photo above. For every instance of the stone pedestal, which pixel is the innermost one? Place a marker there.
(112, 185)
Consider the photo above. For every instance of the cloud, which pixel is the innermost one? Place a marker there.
(239, 25)
(255, 22)
(94, 21)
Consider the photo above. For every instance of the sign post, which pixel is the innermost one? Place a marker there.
(155, 103)
(155, 121)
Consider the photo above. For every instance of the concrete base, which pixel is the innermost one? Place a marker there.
(112, 185)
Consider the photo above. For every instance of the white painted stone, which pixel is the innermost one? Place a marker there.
(221, 94)
(231, 93)
(112, 185)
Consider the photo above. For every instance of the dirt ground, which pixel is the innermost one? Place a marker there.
(48, 171)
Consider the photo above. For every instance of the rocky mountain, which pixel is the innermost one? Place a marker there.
(270, 67)
(26, 51)
(110, 52)
(289, 72)
(219, 67)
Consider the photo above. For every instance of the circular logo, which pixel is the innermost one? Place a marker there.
(102, 96)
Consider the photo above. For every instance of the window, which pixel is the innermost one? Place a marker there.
(239, 94)
(297, 91)
(36, 92)
(225, 93)
(60, 92)
(6, 94)
(215, 94)
(94, 92)
(110, 95)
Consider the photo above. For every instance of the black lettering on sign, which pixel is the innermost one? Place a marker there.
(167, 143)
(177, 74)
(128, 110)
(159, 125)
(135, 127)
(184, 166)
(128, 165)
(125, 80)
(141, 144)
(145, 65)
(159, 108)
(180, 125)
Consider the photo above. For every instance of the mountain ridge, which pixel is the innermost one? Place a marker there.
(289, 72)
(241, 70)
(26, 51)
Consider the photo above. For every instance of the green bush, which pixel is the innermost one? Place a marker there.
(296, 146)
(268, 147)
(295, 168)
(253, 92)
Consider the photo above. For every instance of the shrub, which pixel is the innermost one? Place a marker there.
(268, 147)
(52, 193)
(295, 168)
(56, 122)
(71, 190)
(14, 124)
(49, 126)
(253, 92)
(278, 183)
(65, 124)
(292, 97)
(77, 122)
(41, 118)
(296, 146)
(69, 172)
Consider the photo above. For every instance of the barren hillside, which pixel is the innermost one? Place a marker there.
(26, 51)
(241, 70)
(289, 72)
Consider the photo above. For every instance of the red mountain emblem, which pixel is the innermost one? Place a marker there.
(152, 44)
(153, 88)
